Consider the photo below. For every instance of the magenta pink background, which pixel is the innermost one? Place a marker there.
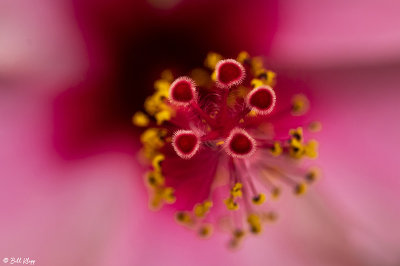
(72, 190)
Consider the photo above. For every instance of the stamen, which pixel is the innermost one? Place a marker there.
(262, 100)
(155, 179)
(259, 199)
(276, 150)
(254, 223)
(157, 161)
(212, 60)
(236, 191)
(184, 218)
(182, 91)
(312, 174)
(229, 73)
(205, 230)
(140, 119)
(201, 209)
(240, 144)
(231, 204)
(185, 143)
(300, 189)
(297, 134)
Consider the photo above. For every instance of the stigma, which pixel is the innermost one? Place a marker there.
(240, 144)
(185, 143)
(221, 147)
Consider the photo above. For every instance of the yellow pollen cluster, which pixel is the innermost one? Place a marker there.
(313, 174)
(205, 230)
(254, 222)
(212, 59)
(184, 218)
(259, 199)
(298, 149)
(201, 209)
(156, 105)
(276, 150)
(152, 140)
(300, 189)
(236, 192)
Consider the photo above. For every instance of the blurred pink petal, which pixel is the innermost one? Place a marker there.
(40, 44)
(349, 32)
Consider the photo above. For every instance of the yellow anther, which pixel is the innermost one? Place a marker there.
(201, 209)
(297, 134)
(219, 143)
(256, 83)
(156, 102)
(167, 75)
(155, 202)
(315, 126)
(157, 160)
(205, 230)
(276, 150)
(151, 138)
(252, 113)
(261, 74)
(254, 223)
(212, 60)
(162, 85)
(140, 119)
(162, 116)
(155, 179)
(296, 149)
(168, 195)
(300, 104)
(311, 149)
(214, 76)
(231, 204)
(259, 199)
(184, 217)
(275, 193)
(300, 189)
(241, 121)
(267, 77)
(313, 174)
(243, 57)
(236, 191)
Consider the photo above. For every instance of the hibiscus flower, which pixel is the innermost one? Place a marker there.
(73, 73)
